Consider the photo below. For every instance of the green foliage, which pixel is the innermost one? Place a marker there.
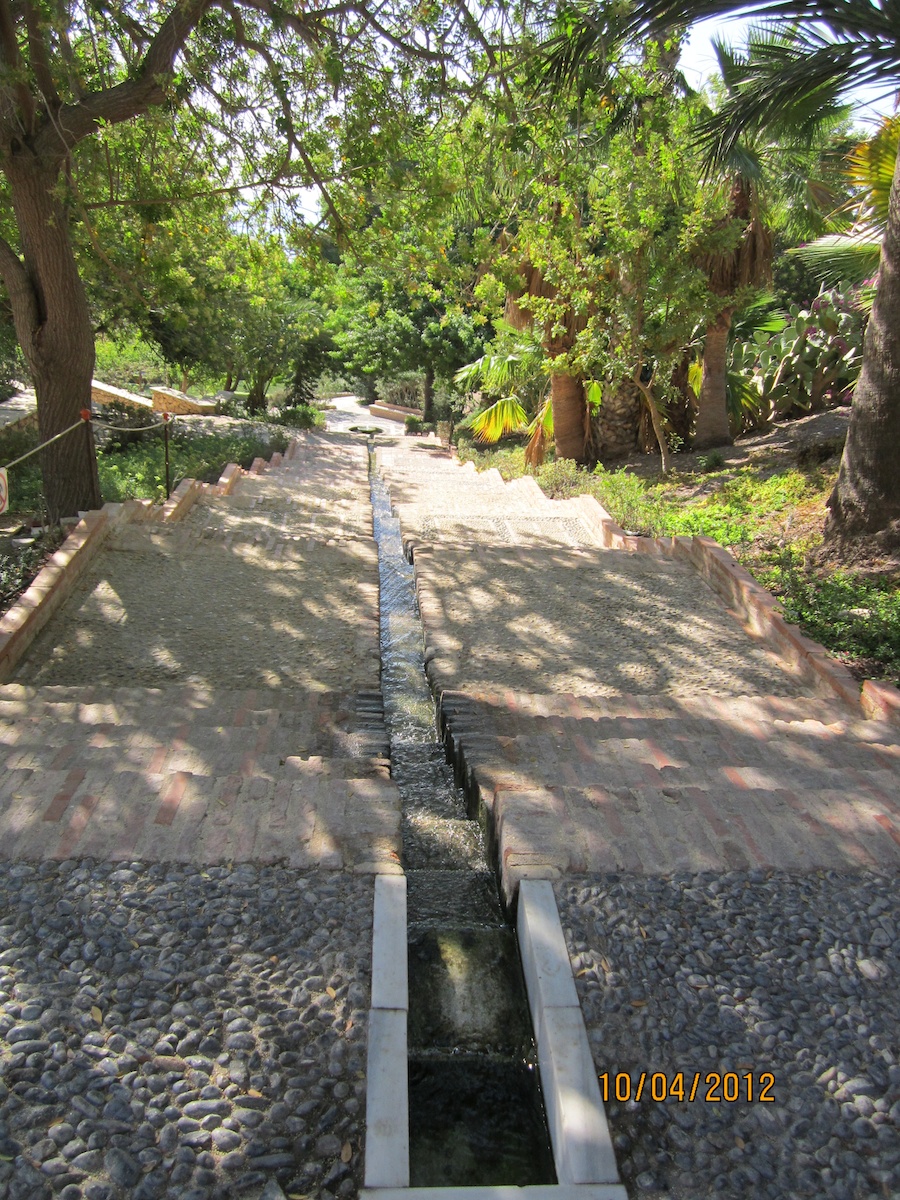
(413, 425)
(19, 567)
(813, 360)
(855, 617)
(129, 426)
(403, 389)
(296, 416)
(25, 487)
(128, 361)
(714, 461)
(140, 471)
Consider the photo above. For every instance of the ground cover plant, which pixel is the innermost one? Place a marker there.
(768, 512)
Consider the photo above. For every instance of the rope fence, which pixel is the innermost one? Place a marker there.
(86, 418)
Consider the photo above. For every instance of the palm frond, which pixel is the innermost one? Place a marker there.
(505, 415)
(871, 167)
(841, 257)
(541, 431)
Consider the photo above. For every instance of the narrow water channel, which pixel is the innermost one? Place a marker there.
(476, 1115)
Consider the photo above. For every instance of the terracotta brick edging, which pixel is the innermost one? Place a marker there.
(21, 624)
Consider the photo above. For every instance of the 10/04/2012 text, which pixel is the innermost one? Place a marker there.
(711, 1088)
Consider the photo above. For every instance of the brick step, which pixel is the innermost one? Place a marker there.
(316, 813)
(507, 706)
(759, 751)
(546, 833)
(658, 784)
(153, 724)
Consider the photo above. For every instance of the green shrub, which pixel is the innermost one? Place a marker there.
(297, 416)
(130, 426)
(413, 425)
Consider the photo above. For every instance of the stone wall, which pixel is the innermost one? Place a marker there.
(104, 393)
(172, 401)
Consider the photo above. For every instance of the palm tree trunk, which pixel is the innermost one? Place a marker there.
(712, 427)
(866, 497)
(569, 412)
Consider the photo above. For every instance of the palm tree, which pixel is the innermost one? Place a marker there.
(824, 50)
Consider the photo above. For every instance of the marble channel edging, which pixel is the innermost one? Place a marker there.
(582, 1148)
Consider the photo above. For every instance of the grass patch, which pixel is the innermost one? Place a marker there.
(769, 512)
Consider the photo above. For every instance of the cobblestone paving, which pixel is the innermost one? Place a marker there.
(176, 1032)
(730, 977)
(196, 748)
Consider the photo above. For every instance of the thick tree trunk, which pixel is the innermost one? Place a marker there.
(569, 416)
(712, 427)
(428, 396)
(54, 330)
(866, 498)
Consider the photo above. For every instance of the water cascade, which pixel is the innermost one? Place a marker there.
(476, 1115)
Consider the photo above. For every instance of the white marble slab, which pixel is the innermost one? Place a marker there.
(390, 987)
(387, 1101)
(582, 1147)
(544, 1191)
(545, 959)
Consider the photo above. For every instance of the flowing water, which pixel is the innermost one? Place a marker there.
(476, 1115)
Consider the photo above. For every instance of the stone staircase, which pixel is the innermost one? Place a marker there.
(234, 710)
(607, 712)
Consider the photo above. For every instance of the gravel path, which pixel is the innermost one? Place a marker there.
(591, 624)
(173, 1031)
(746, 972)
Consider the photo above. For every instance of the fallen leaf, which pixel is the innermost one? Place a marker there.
(583, 971)
(638, 1003)
(643, 931)
(273, 958)
(136, 945)
(97, 1015)
(348, 1026)
(346, 1152)
(331, 992)
(6, 1158)
(740, 1143)
(254, 1092)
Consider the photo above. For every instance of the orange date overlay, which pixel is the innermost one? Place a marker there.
(711, 1088)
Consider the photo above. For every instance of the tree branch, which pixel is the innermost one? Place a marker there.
(9, 46)
(18, 285)
(40, 62)
(134, 96)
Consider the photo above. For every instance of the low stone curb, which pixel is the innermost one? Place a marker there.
(387, 1092)
(181, 501)
(756, 609)
(582, 1147)
(53, 583)
(21, 624)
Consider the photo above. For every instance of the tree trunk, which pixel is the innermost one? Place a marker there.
(569, 416)
(712, 427)
(53, 326)
(428, 396)
(617, 422)
(866, 498)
